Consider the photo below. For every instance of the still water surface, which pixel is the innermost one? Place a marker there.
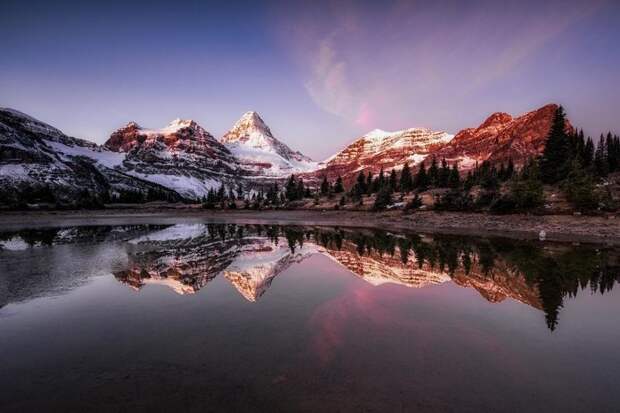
(208, 317)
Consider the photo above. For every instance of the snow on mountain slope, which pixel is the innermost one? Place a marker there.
(381, 149)
(100, 155)
(182, 156)
(40, 164)
(259, 262)
(253, 144)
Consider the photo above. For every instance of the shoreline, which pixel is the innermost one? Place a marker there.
(559, 228)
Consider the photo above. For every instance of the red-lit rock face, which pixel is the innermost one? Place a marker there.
(178, 137)
(501, 137)
(126, 138)
(379, 149)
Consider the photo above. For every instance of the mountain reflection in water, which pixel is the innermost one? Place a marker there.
(186, 257)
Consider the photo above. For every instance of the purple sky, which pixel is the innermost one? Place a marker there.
(320, 75)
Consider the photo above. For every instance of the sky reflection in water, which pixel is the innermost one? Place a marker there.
(303, 318)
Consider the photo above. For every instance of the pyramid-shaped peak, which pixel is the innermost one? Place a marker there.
(252, 115)
(251, 119)
(250, 128)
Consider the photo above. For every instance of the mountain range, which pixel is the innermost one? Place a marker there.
(186, 257)
(39, 163)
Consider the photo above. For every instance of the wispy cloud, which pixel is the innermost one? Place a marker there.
(328, 84)
(386, 66)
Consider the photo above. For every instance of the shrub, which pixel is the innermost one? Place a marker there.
(503, 205)
(414, 203)
(580, 190)
(383, 199)
(455, 200)
(527, 193)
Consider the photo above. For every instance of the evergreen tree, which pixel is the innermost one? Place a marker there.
(469, 181)
(612, 159)
(553, 164)
(601, 164)
(510, 169)
(384, 198)
(501, 174)
(527, 189)
(406, 181)
(433, 173)
(380, 180)
(444, 174)
(369, 183)
(273, 194)
(421, 181)
(454, 181)
(291, 188)
(579, 188)
(221, 193)
(211, 199)
(301, 189)
(393, 182)
(339, 187)
(580, 146)
(488, 176)
(324, 186)
(588, 154)
(361, 184)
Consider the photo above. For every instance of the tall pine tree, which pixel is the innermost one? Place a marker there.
(393, 181)
(324, 186)
(338, 186)
(421, 181)
(406, 181)
(556, 155)
(433, 173)
(601, 163)
(369, 183)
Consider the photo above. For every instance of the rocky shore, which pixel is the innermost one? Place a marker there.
(564, 228)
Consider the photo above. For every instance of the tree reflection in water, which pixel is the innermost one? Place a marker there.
(187, 257)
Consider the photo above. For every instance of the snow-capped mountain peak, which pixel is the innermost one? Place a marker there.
(379, 134)
(178, 123)
(250, 130)
(380, 149)
(252, 142)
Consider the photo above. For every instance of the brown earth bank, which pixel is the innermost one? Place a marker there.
(562, 228)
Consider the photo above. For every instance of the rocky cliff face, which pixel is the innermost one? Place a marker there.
(255, 147)
(499, 138)
(380, 149)
(182, 156)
